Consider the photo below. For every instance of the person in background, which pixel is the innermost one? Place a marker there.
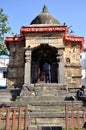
(81, 94)
(46, 68)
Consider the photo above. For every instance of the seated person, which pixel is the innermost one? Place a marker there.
(81, 94)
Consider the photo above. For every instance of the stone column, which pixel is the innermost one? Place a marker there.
(27, 75)
(60, 68)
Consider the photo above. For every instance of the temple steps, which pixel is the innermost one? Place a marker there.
(46, 103)
(44, 110)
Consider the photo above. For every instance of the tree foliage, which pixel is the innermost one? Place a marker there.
(4, 29)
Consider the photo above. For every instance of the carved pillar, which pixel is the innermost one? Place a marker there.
(27, 78)
(60, 67)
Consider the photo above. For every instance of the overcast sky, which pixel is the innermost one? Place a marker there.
(22, 12)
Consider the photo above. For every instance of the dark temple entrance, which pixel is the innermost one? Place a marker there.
(40, 55)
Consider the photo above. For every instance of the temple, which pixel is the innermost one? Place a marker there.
(44, 40)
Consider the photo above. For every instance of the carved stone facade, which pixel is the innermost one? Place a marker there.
(44, 42)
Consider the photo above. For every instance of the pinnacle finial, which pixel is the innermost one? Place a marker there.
(45, 9)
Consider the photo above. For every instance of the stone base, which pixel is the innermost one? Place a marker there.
(47, 127)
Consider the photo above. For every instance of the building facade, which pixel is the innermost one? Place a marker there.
(4, 61)
(44, 40)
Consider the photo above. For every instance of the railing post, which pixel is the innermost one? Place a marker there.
(66, 116)
(78, 119)
(19, 120)
(7, 119)
(26, 118)
(72, 118)
(13, 119)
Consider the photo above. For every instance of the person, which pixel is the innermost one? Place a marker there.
(81, 94)
(46, 68)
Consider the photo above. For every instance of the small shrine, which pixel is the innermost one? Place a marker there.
(44, 40)
(44, 72)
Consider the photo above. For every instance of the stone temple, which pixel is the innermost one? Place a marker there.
(45, 40)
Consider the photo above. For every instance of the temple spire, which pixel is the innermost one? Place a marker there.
(45, 9)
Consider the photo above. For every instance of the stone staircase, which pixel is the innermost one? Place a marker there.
(46, 103)
(46, 110)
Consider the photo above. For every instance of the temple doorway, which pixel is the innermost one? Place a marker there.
(41, 70)
(41, 55)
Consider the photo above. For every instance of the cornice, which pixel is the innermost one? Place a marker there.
(75, 39)
(37, 29)
(30, 29)
(13, 39)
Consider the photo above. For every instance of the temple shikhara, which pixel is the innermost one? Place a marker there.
(44, 40)
(44, 71)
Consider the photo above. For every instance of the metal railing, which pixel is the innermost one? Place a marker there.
(75, 118)
(14, 118)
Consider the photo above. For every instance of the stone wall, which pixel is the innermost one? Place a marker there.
(16, 65)
(72, 64)
(53, 39)
(69, 50)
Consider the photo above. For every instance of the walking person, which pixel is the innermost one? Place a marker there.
(46, 68)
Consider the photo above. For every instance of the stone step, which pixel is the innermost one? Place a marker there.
(59, 86)
(6, 95)
(43, 98)
(50, 89)
(47, 126)
(46, 98)
(59, 103)
(47, 114)
(46, 109)
(45, 122)
(52, 109)
(47, 101)
(5, 99)
(44, 89)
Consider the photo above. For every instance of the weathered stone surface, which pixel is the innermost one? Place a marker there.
(70, 52)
